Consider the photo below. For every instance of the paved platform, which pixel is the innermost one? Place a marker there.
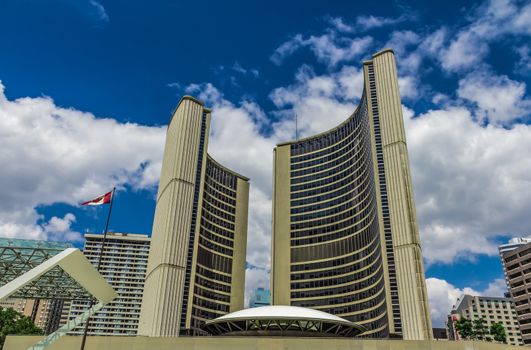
(254, 343)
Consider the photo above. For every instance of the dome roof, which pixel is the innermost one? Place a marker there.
(282, 312)
(282, 320)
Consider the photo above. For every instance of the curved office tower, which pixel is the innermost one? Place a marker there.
(345, 237)
(196, 266)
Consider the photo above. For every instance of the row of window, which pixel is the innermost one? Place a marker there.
(341, 229)
(377, 314)
(219, 213)
(327, 153)
(366, 242)
(330, 175)
(214, 261)
(352, 201)
(350, 184)
(205, 293)
(353, 177)
(209, 226)
(211, 284)
(219, 188)
(353, 282)
(207, 197)
(345, 160)
(331, 273)
(220, 175)
(353, 143)
(212, 275)
(360, 206)
(215, 238)
(333, 137)
(215, 247)
(214, 219)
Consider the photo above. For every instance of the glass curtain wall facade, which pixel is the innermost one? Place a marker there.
(345, 239)
(196, 267)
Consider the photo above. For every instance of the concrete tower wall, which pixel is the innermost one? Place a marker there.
(196, 269)
(414, 308)
(165, 277)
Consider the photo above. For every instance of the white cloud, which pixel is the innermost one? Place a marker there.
(287, 49)
(53, 154)
(492, 21)
(443, 296)
(467, 50)
(524, 63)
(498, 98)
(237, 67)
(371, 22)
(339, 24)
(320, 102)
(469, 182)
(327, 48)
(100, 12)
(251, 154)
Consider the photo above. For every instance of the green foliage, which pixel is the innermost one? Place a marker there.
(12, 322)
(480, 329)
(465, 328)
(498, 332)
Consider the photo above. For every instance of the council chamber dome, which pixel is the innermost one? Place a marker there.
(282, 320)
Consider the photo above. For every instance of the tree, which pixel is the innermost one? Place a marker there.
(480, 329)
(498, 332)
(465, 328)
(13, 322)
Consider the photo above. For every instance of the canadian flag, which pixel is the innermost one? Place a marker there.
(103, 199)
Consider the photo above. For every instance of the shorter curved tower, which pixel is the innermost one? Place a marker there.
(345, 237)
(196, 266)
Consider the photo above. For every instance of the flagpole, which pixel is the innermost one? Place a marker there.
(84, 339)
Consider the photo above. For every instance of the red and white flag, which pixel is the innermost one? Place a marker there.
(103, 199)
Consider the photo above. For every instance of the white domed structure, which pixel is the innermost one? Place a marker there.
(282, 320)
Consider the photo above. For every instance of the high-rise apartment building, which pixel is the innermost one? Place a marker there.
(45, 313)
(510, 246)
(123, 264)
(518, 271)
(490, 309)
(196, 269)
(345, 235)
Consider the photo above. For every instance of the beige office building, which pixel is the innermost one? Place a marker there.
(491, 309)
(345, 235)
(196, 269)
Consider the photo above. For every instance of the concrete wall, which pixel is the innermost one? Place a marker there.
(256, 343)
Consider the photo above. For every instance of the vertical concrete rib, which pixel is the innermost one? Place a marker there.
(162, 301)
(414, 309)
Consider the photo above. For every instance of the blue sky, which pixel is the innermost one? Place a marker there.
(88, 87)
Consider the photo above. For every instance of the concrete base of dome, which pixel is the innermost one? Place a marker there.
(257, 343)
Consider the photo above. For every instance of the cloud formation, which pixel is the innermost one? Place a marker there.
(328, 48)
(54, 154)
(468, 181)
(443, 296)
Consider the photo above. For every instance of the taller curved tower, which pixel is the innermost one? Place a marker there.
(196, 266)
(345, 236)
